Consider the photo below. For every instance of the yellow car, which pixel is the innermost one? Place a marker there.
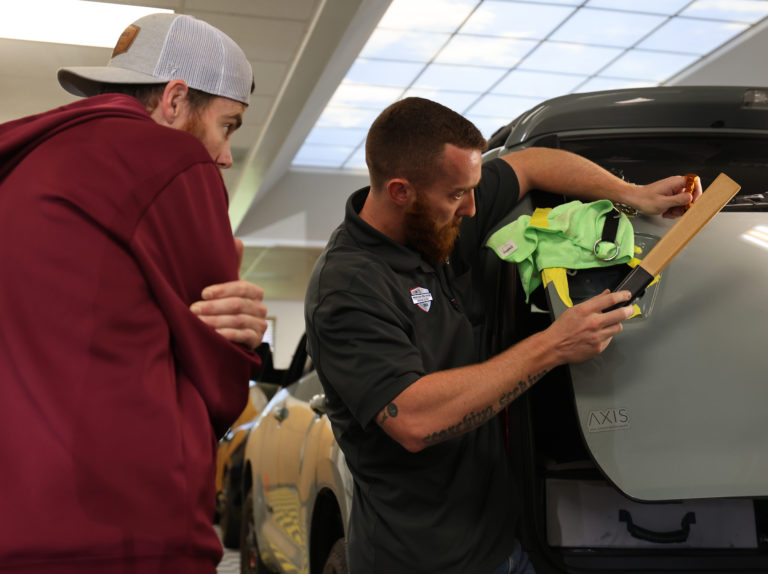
(297, 489)
(229, 463)
(229, 457)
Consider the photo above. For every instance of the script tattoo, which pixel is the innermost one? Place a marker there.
(467, 423)
(521, 387)
(473, 420)
(390, 412)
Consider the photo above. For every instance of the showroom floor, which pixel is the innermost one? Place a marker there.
(230, 562)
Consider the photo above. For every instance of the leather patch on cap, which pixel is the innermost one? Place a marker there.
(126, 40)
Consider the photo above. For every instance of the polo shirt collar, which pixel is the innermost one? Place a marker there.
(396, 255)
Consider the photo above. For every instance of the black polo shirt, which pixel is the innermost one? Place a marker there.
(379, 318)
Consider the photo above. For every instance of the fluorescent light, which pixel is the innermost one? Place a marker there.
(69, 21)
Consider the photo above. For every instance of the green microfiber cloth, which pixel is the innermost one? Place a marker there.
(566, 238)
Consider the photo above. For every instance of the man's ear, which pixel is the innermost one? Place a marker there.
(400, 191)
(173, 107)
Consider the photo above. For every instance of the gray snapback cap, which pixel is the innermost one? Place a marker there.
(159, 48)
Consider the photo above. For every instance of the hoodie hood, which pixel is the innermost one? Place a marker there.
(19, 137)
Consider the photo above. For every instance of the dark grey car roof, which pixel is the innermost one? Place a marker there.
(664, 108)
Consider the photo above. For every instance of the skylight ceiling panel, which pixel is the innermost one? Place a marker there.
(328, 156)
(653, 67)
(521, 20)
(353, 95)
(347, 117)
(383, 73)
(537, 84)
(457, 101)
(484, 51)
(504, 106)
(488, 125)
(745, 11)
(427, 15)
(459, 78)
(691, 35)
(601, 83)
(667, 7)
(387, 44)
(336, 136)
(574, 58)
(357, 159)
(607, 27)
(561, 2)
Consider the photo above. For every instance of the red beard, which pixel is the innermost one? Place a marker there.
(194, 126)
(434, 242)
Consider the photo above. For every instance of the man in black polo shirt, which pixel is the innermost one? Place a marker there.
(394, 323)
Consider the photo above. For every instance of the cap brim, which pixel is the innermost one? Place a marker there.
(88, 80)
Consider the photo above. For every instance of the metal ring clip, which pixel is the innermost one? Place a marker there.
(612, 257)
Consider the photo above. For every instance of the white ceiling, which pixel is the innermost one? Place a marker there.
(300, 51)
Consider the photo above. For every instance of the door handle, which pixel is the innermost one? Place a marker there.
(659, 537)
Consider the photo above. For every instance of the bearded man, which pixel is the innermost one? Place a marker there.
(395, 323)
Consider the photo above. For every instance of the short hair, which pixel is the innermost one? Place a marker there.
(149, 95)
(408, 140)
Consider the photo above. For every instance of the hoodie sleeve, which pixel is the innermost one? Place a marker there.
(184, 243)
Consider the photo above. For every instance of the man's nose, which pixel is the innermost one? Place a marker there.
(467, 207)
(224, 160)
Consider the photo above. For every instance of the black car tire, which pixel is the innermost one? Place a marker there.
(230, 515)
(337, 558)
(250, 559)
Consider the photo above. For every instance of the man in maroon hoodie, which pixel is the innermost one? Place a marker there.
(115, 378)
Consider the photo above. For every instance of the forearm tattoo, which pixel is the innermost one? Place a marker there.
(472, 420)
(390, 411)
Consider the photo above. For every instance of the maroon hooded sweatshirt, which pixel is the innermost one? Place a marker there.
(112, 393)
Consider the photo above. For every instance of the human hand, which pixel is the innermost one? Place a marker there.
(584, 330)
(235, 309)
(665, 196)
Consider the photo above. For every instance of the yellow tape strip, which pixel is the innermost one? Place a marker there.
(540, 217)
(557, 276)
